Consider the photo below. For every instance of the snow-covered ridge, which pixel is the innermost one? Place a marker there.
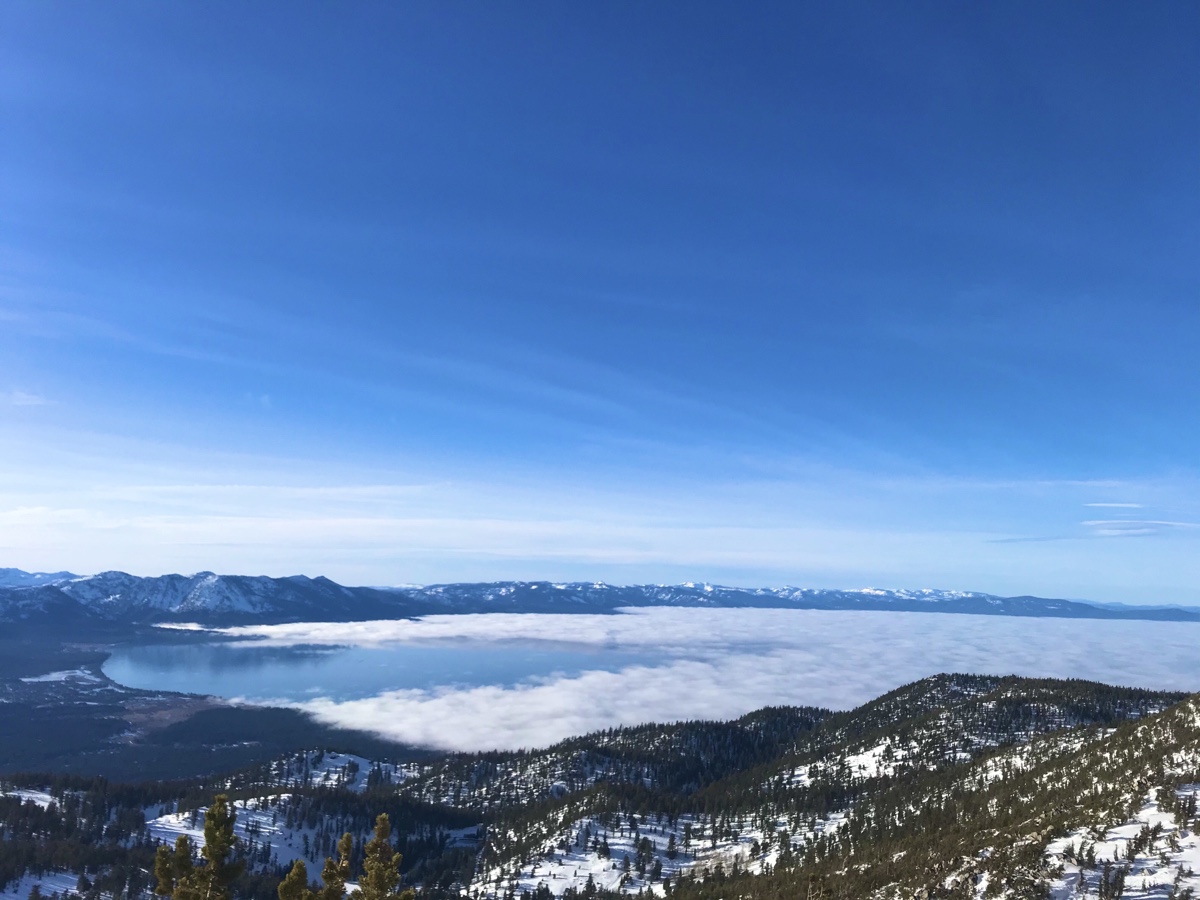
(210, 599)
(203, 597)
(1059, 789)
(15, 578)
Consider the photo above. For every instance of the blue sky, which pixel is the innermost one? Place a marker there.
(828, 294)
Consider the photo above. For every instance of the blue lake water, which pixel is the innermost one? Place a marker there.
(257, 672)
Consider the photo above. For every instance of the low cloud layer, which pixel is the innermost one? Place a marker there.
(723, 663)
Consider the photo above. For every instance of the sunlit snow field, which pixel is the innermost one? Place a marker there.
(522, 680)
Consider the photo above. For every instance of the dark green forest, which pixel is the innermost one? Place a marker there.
(929, 791)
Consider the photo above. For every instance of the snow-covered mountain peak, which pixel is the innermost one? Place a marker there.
(213, 599)
(16, 578)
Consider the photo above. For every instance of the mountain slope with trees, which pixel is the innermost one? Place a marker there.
(953, 786)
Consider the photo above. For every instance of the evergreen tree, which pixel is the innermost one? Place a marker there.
(381, 867)
(336, 873)
(295, 884)
(220, 843)
(175, 871)
(181, 879)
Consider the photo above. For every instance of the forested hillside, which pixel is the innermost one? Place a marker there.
(954, 786)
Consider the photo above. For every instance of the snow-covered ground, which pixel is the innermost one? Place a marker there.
(78, 675)
(575, 856)
(871, 762)
(51, 883)
(342, 770)
(1168, 859)
(576, 853)
(41, 798)
(260, 825)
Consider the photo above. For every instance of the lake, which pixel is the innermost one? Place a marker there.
(253, 671)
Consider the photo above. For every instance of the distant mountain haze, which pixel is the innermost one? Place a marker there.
(221, 600)
(17, 578)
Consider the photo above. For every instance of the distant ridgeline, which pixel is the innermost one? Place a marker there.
(115, 598)
(955, 786)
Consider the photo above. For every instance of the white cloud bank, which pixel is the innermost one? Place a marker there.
(723, 663)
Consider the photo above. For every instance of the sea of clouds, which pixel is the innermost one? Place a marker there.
(722, 663)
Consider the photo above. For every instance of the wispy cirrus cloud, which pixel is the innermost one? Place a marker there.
(79, 499)
(1093, 529)
(22, 398)
(1137, 527)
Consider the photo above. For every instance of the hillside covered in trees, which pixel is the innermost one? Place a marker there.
(953, 786)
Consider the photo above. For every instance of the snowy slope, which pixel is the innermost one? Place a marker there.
(117, 594)
(15, 578)
(204, 597)
(216, 600)
(1152, 852)
(956, 786)
(545, 596)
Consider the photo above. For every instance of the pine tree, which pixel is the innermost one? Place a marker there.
(219, 845)
(295, 884)
(381, 867)
(175, 871)
(181, 879)
(336, 873)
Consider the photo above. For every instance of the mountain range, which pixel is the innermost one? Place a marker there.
(220, 600)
